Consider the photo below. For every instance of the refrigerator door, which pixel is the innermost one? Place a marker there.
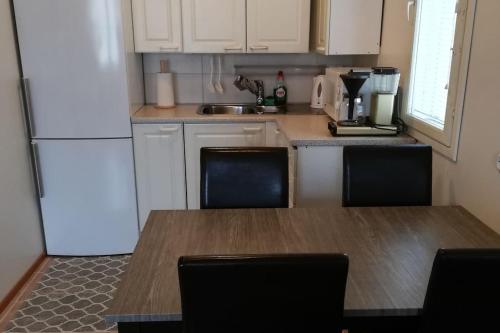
(87, 195)
(73, 55)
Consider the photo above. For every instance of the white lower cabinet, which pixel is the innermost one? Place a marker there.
(215, 135)
(319, 176)
(160, 168)
(274, 136)
(167, 159)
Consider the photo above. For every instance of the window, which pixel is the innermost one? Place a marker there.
(440, 57)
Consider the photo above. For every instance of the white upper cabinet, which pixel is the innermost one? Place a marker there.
(320, 25)
(214, 26)
(157, 25)
(278, 26)
(346, 26)
(222, 26)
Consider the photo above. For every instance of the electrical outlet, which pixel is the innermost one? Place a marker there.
(498, 162)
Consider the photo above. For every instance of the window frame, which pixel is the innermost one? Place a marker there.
(445, 141)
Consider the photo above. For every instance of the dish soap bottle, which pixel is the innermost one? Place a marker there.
(280, 92)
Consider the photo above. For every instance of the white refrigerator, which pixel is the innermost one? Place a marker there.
(81, 80)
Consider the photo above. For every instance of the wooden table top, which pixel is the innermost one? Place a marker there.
(390, 250)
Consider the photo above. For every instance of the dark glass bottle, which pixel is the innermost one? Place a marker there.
(280, 92)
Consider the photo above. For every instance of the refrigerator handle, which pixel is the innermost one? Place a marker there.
(38, 175)
(26, 104)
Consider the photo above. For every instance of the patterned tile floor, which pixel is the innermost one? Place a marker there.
(71, 296)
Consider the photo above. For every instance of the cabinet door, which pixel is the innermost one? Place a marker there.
(159, 163)
(215, 135)
(355, 26)
(319, 176)
(320, 26)
(88, 199)
(157, 25)
(278, 26)
(214, 26)
(274, 136)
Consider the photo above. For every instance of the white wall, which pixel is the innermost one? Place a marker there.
(397, 35)
(192, 73)
(473, 181)
(20, 233)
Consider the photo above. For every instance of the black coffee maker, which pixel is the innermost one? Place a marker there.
(353, 82)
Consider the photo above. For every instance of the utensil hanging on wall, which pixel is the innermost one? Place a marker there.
(210, 84)
(218, 84)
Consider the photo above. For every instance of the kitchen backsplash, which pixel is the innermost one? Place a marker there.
(192, 75)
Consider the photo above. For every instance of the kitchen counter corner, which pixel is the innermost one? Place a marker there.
(300, 129)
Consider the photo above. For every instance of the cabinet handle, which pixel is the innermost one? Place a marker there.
(38, 175)
(169, 129)
(410, 4)
(250, 130)
(164, 48)
(26, 105)
(233, 48)
(259, 47)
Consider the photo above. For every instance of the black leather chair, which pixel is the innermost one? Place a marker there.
(463, 294)
(387, 176)
(244, 177)
(265, 294)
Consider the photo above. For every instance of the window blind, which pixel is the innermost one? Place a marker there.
(432, 59)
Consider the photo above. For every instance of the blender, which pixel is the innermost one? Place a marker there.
(385, 82)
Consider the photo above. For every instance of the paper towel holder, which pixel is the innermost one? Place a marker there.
(164, 88)
(163, 66)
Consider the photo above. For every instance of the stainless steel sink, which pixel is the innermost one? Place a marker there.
(237, 109)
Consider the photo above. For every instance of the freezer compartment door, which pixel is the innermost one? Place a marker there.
(88, 196)
(72, 54)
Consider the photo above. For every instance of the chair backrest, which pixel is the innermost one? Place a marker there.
(387, 176)
(244, 177)
(266, 294)
(463, 294)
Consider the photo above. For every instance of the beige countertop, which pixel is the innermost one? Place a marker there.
(300, 129)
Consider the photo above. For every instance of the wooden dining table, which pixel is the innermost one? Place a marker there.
(390, 249)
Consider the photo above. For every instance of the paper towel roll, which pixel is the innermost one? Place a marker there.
(165, 90)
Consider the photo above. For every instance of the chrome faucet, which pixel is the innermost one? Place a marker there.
(256, 87)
